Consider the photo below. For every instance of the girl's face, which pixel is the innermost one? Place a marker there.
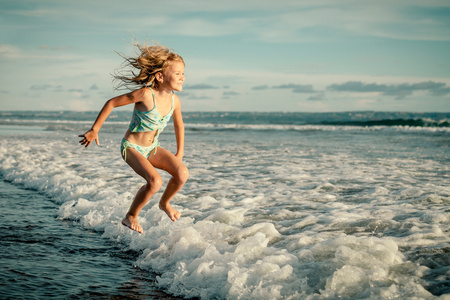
(173, 76)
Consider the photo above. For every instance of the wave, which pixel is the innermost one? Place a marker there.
(48, 121)
(242, 237)
(314, 127)
(232, 121)
(395, 122)
(118, 127)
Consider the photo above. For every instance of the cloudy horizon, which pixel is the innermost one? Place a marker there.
(311, 56)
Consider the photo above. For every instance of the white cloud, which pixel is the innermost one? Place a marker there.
(202, 28)
(40, 13)
(9, 51)
(79, 105)
(362, 103)
(284, 22)
(57, 53)
(378, 19)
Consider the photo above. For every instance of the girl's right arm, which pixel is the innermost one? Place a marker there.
(121, 100)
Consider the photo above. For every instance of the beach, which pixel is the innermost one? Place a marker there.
(277, 206)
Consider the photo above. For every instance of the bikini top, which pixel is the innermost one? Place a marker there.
(144, 121)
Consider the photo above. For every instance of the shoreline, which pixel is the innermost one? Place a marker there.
(73, 262)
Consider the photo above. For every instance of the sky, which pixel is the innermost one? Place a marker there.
(285, 55)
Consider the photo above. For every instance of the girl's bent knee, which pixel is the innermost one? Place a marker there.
(182, 174)
(154, 185)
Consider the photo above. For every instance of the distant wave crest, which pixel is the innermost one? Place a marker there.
(395, 122)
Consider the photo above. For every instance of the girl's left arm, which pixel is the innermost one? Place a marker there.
(179, 128)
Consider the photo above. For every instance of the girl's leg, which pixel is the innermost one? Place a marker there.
(168, 162)
(145, 169)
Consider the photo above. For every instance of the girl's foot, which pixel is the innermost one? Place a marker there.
(170, 211)
(132, 223)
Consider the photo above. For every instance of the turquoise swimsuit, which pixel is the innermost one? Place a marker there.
(144, 121)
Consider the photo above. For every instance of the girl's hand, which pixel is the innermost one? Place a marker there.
(88, 137)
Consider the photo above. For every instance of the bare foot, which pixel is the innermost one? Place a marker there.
(170, 211)
(132, 223)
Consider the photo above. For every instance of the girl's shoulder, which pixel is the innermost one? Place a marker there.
(143, 99)
(140, 95)
(176, 101)
(175, 97)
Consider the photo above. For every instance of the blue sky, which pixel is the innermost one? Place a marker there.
(311, 56)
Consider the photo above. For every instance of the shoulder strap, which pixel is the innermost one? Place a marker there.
(154, 97)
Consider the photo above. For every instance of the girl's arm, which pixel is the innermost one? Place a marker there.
(179, 128)
(121, 100)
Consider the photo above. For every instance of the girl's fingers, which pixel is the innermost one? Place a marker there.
(87, 142)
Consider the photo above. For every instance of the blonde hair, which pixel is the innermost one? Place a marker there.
(150, 60)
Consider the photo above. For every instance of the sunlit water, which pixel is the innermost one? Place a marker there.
(269, 212)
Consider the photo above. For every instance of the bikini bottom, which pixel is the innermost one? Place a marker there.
(145, 151)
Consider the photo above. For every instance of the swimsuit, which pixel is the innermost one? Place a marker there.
(144, 121)
(145, 151)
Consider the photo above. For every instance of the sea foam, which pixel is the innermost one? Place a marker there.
(330, 225)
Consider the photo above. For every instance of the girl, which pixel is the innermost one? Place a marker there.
(160, 73)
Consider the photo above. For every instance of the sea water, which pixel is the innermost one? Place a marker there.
(277, 206)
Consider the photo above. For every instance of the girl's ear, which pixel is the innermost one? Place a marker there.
(159, 77)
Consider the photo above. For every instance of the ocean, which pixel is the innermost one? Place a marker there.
(348, 205)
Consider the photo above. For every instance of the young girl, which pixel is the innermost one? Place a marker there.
(160, 73)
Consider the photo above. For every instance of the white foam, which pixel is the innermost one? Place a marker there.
(326, 225)
(311, 127)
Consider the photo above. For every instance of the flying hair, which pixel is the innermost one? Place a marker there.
(140, 70)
